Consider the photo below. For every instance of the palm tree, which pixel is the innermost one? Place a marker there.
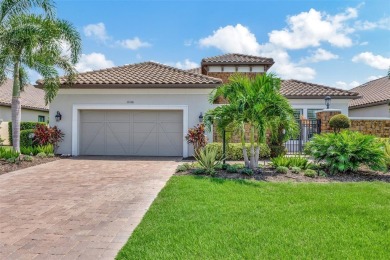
(9, 8)
(35, 42)
(256, 103)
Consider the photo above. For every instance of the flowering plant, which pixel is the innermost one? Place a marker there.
(196, 136)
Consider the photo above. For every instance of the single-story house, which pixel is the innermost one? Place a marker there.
(374, 101)
(145, 109)
(34, 108)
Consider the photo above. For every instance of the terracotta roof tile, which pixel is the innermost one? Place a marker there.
(197, 70)
(372, 92)
(235, 58)
(32, 98)
(146, 74)
(296, 88)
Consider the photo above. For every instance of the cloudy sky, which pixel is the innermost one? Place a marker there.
(337, 43)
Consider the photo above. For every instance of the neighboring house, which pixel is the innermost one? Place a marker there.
(33, 106)
(374, 101)
(145, 109)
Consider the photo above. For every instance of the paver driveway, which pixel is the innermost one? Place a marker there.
(77, 208)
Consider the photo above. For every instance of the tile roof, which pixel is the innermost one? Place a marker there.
(237, 58)
(32, 98)
(197, 70)
(296, 89)
(373, 92)
(146, 74)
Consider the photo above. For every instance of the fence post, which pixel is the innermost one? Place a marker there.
(224, 146)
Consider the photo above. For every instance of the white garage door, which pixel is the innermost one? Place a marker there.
(137, 133)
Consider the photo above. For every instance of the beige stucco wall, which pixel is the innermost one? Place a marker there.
(374, 111)
(195, 99)
(28, 115)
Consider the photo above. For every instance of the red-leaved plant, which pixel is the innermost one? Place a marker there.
(44, 135)
(196, 136)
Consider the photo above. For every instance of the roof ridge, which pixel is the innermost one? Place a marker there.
(238, 54)
(366, 83)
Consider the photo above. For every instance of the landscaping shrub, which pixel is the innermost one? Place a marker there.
(246, 171)
(234, 150)
(277, 150)
(310, 173)
(197, 137)
(347, 151)
(50, 155)
(23, 126)
(28, 158)
(45, 135)
(199, 171)
(296, 170)
(387, 154)
(322, 173)
(208, 158)
(339, 122)
(34, 150)
(26, 138)
(183, 167)
(232, 169)
(7, 154)
(41, 155)
(289, 162)
(281, 169)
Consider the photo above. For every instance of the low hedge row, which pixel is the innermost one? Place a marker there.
(23, 126)
(25, 139)
(234, 150)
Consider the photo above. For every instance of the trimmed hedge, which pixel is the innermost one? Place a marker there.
(25, 140)
(23, 126)
(234, 150)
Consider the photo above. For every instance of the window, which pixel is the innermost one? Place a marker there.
(41, 118)
(298, 113)
(311, 114)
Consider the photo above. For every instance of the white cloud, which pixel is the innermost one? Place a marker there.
(375, 61)
(309, 29)
(374, 77)
(97, 31)
(319, 55)
(363, 43)
(93, 61)
(232, 39)
(383, 23)
(347, 86)
(188, 43)
(133, 44)
(184, 65)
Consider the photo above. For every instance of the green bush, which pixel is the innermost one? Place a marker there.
(281, 169)
(23, 126)
(232, 169)
(199, 171)
(339, 122)
(296, 170)
(277, 150)
(28, 158)
(246, 171)
(234, 150)
(25, 138)
(387, 154)
(6, 153)
(34, 150)
(51, 155)
(347, 151)
(310, 173)
(295, 161)
(322, 173)
(208, 158)
(183, 167)
(41, 155)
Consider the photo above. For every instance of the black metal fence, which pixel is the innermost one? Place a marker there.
(307, 129)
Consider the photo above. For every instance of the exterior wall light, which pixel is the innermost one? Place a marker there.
(328, 100)
(58, 116)
(200, 117)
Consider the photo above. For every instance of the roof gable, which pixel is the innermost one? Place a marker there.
(32, 98)
(373, 92)
(235, 58)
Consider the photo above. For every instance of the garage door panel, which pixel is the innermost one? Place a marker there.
(121, 132)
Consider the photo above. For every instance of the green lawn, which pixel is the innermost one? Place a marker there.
(205, 218)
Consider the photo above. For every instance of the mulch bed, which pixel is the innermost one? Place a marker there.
(10, 167)
(268, 174)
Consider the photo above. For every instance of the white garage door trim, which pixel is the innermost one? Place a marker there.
(78, 107)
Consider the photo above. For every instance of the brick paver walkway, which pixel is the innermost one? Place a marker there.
(82, 208)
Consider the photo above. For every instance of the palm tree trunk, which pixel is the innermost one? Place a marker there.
(252, 162)
(244, 151)
(16, 109)
(257, 155)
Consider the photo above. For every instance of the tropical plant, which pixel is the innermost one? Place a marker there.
(45, 135)
(339, 122)
(34, 150)
(387, 154)
(35, 42)
(254, 103)
(310, 173)
(6, 153)
(197, 137)
(289, 162)
(347, 151)
(296, 170)
(234, 150)
(281, 169)
(207, 159)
